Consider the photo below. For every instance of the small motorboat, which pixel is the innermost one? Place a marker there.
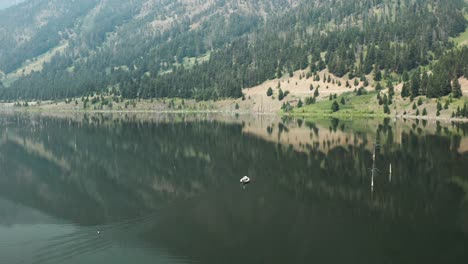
(245, 180)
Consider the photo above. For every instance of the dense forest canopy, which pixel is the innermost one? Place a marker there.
(208, 49)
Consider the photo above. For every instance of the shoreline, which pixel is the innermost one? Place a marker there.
(344, 116)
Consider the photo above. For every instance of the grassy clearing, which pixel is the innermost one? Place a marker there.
(367, 106)
(190, 62)
(363, 105)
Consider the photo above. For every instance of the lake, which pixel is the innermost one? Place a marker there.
(150, 188)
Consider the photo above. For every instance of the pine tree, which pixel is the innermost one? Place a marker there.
(386, 109)
(269, 92)
(391, 89)
(378, 87)
(405, 90)
(424, 84)
(316, 92)
(377, 75)
(456, 89)
(415, 85)
(299, 104)
(439, 106)
(385, 99)
(280, 95)
(405, 76)
(335, 107)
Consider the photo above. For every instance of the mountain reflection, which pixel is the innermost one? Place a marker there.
(173, 185)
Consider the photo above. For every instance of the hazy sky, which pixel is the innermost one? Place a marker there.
(7, 3)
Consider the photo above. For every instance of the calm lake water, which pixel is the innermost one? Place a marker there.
(165, 189)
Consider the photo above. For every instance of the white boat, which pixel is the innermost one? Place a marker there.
(245, 180)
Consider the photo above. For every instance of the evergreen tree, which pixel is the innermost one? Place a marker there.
(405, 90)
(280, 95)
(456, 89)
(269, 92)
(391, 89)
(424, 84)
(335, 107)
(299, 103)
(385, 99)
(366, 83)
(415, 81)
(316, 92)
(386, 109)
(405, 76)
(378, 87)
(439, 106)
(377, 75)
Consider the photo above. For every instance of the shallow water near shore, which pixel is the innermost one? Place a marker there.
(165, 189)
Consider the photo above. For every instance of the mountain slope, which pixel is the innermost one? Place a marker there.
(213, 48)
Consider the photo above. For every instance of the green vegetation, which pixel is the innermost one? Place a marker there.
(335, 107)
(461, 112)
(355, 106)
(215, 54)
(462, 39)
(280, 95)
(300, 103)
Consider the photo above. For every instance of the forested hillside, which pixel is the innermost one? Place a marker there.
(207, 49)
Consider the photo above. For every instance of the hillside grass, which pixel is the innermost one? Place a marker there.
(362, 105)
(189, 62)
(367, 106)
